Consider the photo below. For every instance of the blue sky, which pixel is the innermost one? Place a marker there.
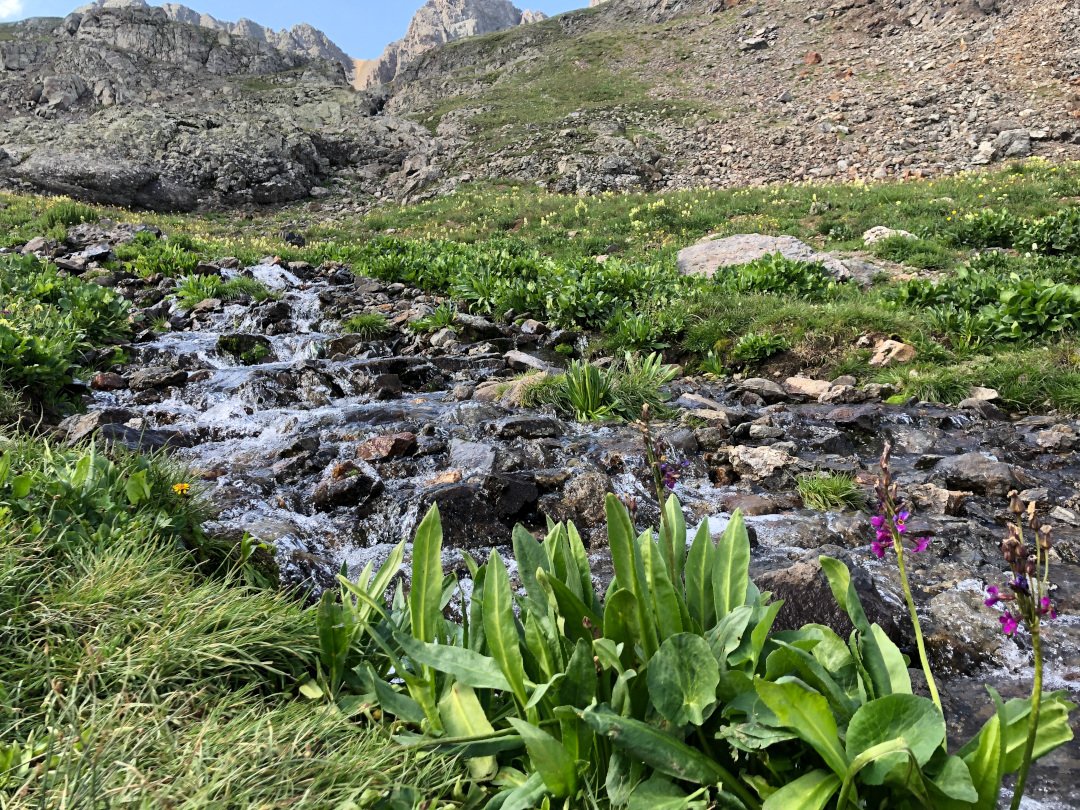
(360, 27)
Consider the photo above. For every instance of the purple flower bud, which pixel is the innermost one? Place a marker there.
(878, 522)
(994, 597)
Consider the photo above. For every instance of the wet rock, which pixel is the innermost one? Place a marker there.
(766, 389)
(962, 634)
(472, 458)
(392, 445)
(527, 426)
(480, 513)
(385, 386)
(473, 327)
(892, 353)
(81, 426)
(584, 496)
(143, 440)
(985, 408)
(349, 483)
(711, 438)
(534, 327)
(1058, 439)
(806, 388)
(157, 378)
(750, 504)
(761, 462)
(108, 381)
(808, 599)
(932, 499)
(522, 361)
(977, 473)
(251, 350)
(865, 417)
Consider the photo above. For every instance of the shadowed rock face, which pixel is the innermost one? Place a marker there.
(437, 23)
(124, 105)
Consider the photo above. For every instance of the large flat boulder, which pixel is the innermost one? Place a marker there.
(714, 253)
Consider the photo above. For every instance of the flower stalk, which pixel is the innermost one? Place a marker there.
(1027, 595)
(891, 526)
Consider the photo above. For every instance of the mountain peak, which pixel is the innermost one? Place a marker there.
(436, 23)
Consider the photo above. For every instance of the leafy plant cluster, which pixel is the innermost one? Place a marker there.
(500, 276)
(754, 348)
(47, 322)
(1055, 234)
(777, 274)
(147, 255)
(589, 393)
(190, 290)
(367, 325)
(989, 304)
(672, 689)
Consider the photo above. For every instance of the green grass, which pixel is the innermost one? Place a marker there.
(494, 248)
(191, 290)
(826, 491)
(589, 393)
(139, 669)
(367, 325)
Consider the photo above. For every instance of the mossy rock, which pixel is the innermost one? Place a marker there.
(248, 349)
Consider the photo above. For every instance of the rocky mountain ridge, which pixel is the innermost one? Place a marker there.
(128, 105)
(437, 23)
(301, 40)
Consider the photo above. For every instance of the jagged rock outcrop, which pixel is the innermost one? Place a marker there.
(437, 23)
(121, 104)
(301, 40)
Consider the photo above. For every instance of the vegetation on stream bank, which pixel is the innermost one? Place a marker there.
(988, 292)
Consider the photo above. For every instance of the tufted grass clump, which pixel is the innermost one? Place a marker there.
(442, 317)
(138, 667)
(367, 325)
(827, 491)
(589, 393)
(193, 289)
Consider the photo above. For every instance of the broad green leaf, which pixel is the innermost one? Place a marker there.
(581, 558)
(673, 537)
(20, 486)
(623, 776)
(663, 752)
(400, 706)
(579, 618)
(657, 793)
(483, 746)
(807, 714)
(337, 630)
(731, 567)
(622, 622)
(1054, 729)
(647, 615)
(682, 679)
(698, 576)
(871, 657)
(666, 607)
(788, 659)
(620, 542)
(526, 796)
(913, 719)
(726, 636)
(137, 488)
(954, 781)
(895, 663)
(813, 791)
(578, 687)
(985, 763)
(83, 468)
(463, 716)
(466, 666)
(531, 557)
(311, 690)
(752, 737)
(500, 627)
(425, 594)
(545, 644)
(477, 637)
(607, 653)
(549, 758)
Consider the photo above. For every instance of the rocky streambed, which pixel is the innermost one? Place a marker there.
(330, 447)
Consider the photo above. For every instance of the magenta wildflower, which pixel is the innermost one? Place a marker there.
(994, 597)
(1008, 623)
(878, 548)
(920, 545)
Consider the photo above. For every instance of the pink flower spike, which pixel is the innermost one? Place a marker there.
(994, 597)
(1008, 623)
(920, 545)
